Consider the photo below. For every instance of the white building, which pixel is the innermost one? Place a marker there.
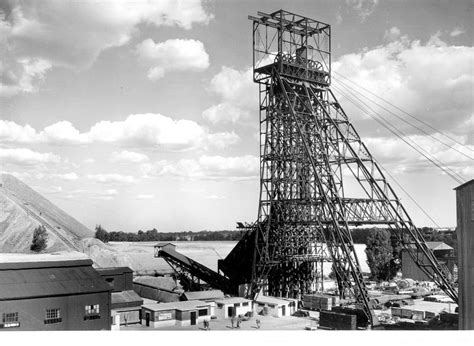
(276, 307)
(234, 306)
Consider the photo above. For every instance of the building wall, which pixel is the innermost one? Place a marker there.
(129, 316)
(32, 312)
(274, 309)
(465, 233)
(410, 270)
(222, 312)
(119, 281)
(173, 317)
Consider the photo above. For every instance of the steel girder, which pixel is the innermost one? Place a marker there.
(310, 155)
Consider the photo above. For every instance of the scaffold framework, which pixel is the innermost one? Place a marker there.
(317, 177)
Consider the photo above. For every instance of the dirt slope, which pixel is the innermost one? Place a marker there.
(22, 209)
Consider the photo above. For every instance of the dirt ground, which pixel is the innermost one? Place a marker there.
(266, 323)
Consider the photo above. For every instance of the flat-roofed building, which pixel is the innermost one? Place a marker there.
(233, 306)
(276, 307)
(184, 313)
(52, 292)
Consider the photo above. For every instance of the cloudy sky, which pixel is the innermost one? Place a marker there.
(140, 114)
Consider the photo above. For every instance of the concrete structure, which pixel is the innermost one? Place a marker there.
(52, 292)
(465, 232)
(442, 252)
(177, 313)
(233, 306)
(126, 303)
(276, 307)
(162, 289)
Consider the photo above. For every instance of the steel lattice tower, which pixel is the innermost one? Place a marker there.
(317, 178)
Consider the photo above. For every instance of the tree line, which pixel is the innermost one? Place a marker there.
(155, 235)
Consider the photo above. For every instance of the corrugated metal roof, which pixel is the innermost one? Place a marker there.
(438, 245)
(114, 270)
(271, 300)
(182, 306)
(163, 283)
(203, 295)
(51, 281)
(232, 300)
(30, 261)
(125, 299)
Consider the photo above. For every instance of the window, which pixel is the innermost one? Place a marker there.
(53, 316)
(220, 306)
(110, 281)
(92, 312)
(245, 304)
(10, 320)
(202, 312)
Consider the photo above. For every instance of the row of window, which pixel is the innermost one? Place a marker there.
(235, 305)
(10, 319)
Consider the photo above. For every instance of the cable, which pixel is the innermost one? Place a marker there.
(397, 133)
(406, 192)
(406, 121)
(405, 112)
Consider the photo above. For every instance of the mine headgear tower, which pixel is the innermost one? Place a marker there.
(317, 178)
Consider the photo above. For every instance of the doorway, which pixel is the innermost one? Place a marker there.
(193, 318)
(147, 319)
(283, 310)
(230, 311)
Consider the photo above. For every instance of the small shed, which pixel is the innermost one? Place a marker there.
(276, 307)
(127, 304)
(233, 306)
(175, 314)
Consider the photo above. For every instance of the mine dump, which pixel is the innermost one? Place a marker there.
(333, 246)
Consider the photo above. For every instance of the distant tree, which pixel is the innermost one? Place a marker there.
(380, 255)
(101, 234)
(40, 239)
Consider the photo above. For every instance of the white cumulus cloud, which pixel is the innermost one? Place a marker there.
(66, 176)
(24, 156)
(172, 55)
(363, 8)
(456, 32)
(433, 81)
(128, 156)
(38, 35)
(145, 196)
(112, 178)
(238, 96)
(137, 130)
(206, 167)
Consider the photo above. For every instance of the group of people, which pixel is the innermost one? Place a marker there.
(239, 321)
(233, 320)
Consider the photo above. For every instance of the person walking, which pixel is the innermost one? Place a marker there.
(232, 320)
(258, 323)
(239, 320)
